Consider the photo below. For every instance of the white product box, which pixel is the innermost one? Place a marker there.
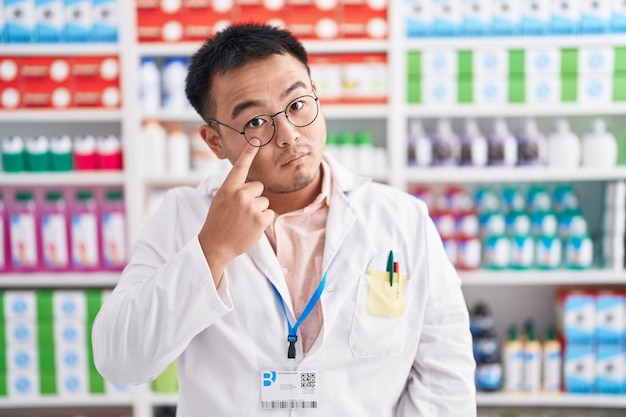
(618, 21)
(536, 16)
(19, 20)
(70, 359)
(596, 88)
(105, 20)
(611, 317)
(18, 303)
(72, 383)
(542, 89)
(595, 15)
(117, 390)
(23, 359)
(476, 17)
(22, 384)
(610, 369)
(365, 80)
(20, 332)
(490, 89)
(490, 61)
(50, 20)
(448, 17)
(419, 17)
(439, 89)
(439, 61)
(506, 17)
(543, 61)
(579, 368)
(70, 332)
(565, 16)
(596, 60)
(70, 304)
(327, 78)
(578, 317)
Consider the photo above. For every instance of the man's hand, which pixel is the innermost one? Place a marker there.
(237, 218)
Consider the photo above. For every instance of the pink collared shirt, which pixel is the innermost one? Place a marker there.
(298, 241)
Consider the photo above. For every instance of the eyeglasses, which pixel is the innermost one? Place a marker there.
(300, 112)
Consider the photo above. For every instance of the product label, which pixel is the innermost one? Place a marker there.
(23, 240)
(3, 261)
(84, 240)
(113, 234)
(54, 239)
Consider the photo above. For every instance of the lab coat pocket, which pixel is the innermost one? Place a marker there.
(374, 334)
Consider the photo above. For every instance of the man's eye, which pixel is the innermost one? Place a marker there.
(256, 122)
(296, 105)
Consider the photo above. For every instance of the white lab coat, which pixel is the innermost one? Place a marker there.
(166, 306)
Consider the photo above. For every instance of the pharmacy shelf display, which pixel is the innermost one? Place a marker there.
(388, 119)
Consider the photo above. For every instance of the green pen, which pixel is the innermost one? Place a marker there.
(390, 267)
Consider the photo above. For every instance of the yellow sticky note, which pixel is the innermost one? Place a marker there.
(384, 299)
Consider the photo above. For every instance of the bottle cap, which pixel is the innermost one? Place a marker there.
(54, 195)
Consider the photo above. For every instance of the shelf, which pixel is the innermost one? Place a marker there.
(551, 400)
(513, 42)
(59, 279)
(93, 178)
(455, 110)
(468, 175)
(330, 111)
(94, 401)
(60, 115)
(158, 49)
(59, 49)
(160, 400)
(539, 277)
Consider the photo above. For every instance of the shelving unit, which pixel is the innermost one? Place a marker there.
(534, 287)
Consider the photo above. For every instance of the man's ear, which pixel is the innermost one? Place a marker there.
(212, 138)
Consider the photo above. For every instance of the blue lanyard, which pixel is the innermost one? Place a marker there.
(293, 330)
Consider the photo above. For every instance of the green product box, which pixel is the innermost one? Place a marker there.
(414, 63)
(619, 86)
(620, 59)
(517, 62)
(517, 89)
(569, 88)
(167, 382)
(569, 61)
(414, 92)
(621, 150)
(465, 88)
(465, 62)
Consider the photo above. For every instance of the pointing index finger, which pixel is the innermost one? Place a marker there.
(241, 167)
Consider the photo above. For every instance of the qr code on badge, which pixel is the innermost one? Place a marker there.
(307, 380)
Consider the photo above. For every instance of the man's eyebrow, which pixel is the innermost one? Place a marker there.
(239, 108)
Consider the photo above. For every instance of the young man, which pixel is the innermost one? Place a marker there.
(289, 286)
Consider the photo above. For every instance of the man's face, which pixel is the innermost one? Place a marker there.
(291, 161)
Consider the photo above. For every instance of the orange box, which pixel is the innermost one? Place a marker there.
(46, 82)
(10, 83)
(96, 82)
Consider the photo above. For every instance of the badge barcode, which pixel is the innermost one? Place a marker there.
(289, 404)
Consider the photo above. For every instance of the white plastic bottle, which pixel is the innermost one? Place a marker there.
(564, 147)
(422, 145)
(552, 363)
(173, 83)
(502, 145)
(474, 146)
(446, 145)
(513, 358)
(533, 358)
(178, 150)
(599, 147)
(531, 144)
(154, 147)
(150, 85)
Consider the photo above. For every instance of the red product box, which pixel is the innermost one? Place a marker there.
(202, 20)
(96, 82)
(157, 25)
(309, 22)
(46, 82)
(10, 83)
(273, 12)
(363, 19)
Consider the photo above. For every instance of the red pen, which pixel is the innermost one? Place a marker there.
(396, 270)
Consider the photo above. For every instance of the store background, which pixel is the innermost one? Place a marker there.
(95, 73)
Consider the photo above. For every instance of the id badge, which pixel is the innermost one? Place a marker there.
(287, 389)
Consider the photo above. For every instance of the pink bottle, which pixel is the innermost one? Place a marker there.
(55, 232)
(24, 235)
(4, 237)
(113, 229)
(84, 236)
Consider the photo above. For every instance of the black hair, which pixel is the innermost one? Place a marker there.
(232, 48)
